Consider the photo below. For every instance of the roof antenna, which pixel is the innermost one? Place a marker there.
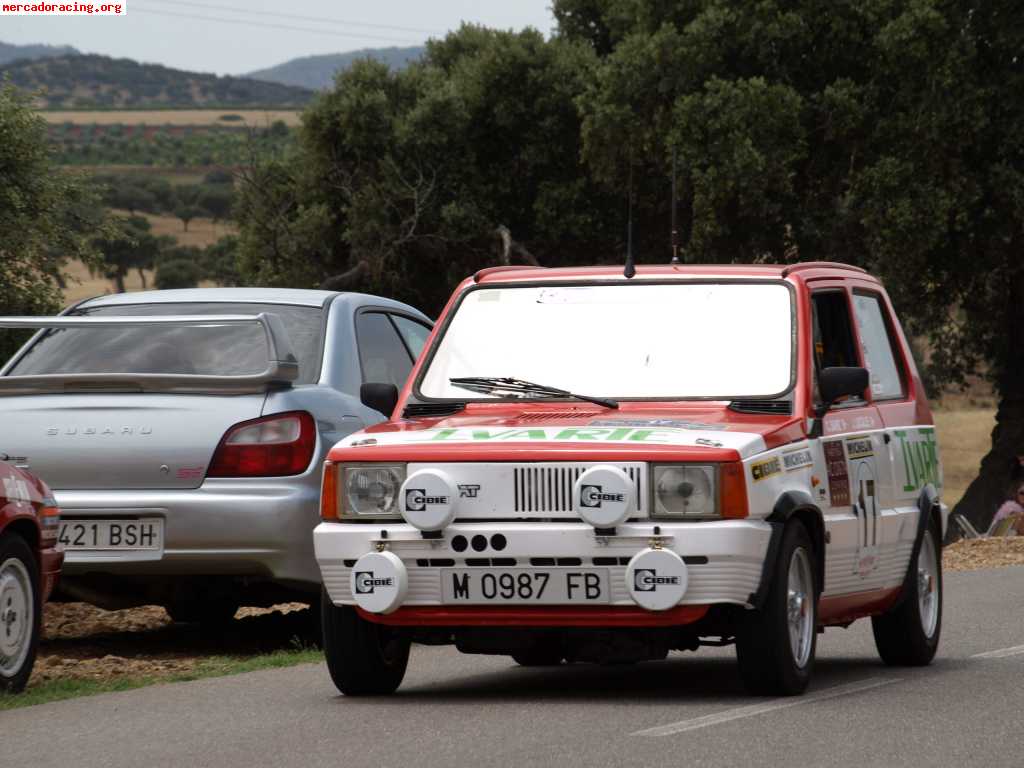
(675, 229)
(630, 269)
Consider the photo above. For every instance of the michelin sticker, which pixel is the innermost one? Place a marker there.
(798, 459)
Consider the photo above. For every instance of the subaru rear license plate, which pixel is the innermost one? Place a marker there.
(84, 535)
(556, 586)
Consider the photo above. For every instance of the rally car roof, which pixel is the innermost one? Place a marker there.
(807, 270)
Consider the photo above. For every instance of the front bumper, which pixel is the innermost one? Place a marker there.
(724, 558)
(257, 528)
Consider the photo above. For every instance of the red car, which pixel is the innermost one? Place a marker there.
(30, 563)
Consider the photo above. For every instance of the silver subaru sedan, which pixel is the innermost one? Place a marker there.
(183, 434)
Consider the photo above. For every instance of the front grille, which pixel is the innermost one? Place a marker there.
(548, 489)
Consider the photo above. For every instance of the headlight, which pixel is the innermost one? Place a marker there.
(371, 491)
(685, 490)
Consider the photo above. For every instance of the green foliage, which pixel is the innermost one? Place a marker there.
(884, 133)
(131, 247)
(220, 261)
(46, 217)
(412, 173)
(178, 271)
(166, 145)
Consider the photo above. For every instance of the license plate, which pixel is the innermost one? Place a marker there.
(80, 535)
(469, 586)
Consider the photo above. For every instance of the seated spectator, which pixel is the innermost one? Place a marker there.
(1012, 509)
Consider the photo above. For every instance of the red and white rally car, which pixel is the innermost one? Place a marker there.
(30, 563)
(584, 467)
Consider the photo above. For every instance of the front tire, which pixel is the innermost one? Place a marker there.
(21, 613)
(908, 635)
(775, 647)
(364, 659)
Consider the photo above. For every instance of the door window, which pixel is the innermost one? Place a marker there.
(381, 352)
(414, 334)
(876, 344)
(833, 334)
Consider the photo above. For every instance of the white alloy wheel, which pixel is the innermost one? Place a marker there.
(928, 584)
(16, 616)
(800, 607)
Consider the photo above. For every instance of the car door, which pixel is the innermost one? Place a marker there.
(851, 444)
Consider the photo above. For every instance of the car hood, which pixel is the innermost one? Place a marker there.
(713, 434)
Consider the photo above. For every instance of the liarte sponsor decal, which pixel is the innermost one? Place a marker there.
(920, 458)
(765, 469)
(367, 583)
(647, 580)
(838, 475)
(594, 495)
(798, 459)
(417, 500)
(859, 447)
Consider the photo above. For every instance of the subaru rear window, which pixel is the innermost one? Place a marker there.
(227, 350)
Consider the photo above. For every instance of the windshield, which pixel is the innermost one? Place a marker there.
(682, 340)
(227, 350)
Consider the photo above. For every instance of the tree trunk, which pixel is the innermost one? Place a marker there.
(142, 277)
(991, 487)
(1000, 467)
(119, 280)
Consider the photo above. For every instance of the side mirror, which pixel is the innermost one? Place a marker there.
(380, 397)
(834, 383)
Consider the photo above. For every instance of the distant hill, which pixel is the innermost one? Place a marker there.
(317, 72)
(89, 81)
(11, 52)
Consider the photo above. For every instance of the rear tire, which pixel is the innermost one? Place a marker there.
(775, 647)
(908, 635)
(21, 612)
(364, 659)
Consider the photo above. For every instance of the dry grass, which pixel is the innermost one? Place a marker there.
(965, 436)
(255, 118)
(201, 233)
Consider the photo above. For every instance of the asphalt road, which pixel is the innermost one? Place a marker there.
(455, 710)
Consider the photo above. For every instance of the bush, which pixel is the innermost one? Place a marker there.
(177, 273)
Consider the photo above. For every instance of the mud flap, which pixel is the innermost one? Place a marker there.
(925, 503)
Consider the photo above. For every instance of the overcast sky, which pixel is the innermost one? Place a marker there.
(236, 36)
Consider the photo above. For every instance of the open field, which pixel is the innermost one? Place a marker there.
(964, 436)
(201, 233)
(256, 118)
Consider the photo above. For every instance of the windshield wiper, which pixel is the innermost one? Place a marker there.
(488, 385)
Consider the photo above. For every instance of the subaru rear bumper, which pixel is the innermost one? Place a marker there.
(258, 528)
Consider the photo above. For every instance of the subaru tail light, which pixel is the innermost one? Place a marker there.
(271, 446)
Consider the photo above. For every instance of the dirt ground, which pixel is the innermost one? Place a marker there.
(84, 642)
